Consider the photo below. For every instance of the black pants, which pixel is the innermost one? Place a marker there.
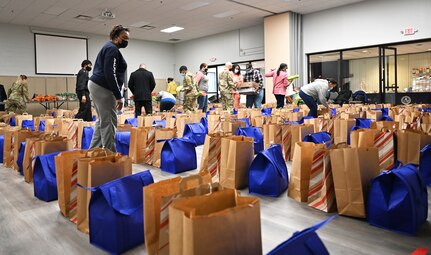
(166, 106)
(147, 104)
(84, 111)
(280, 100)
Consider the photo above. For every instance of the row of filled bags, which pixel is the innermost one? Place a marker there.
(96, 191)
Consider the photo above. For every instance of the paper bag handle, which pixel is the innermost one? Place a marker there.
(189, 178)
(97, 151)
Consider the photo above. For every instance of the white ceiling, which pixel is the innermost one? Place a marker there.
(61, 15)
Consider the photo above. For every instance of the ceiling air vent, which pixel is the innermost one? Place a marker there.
(147, 27)
(174, 40)
(83, 17)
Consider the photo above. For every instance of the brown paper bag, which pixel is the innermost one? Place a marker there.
(201, 189)
(342, 129)
(93, 173)
(301, 168)
(352, 171)
(20, 118)
(390, 125)
(21, 136)
(52, 144)
(232, 126)
(321, 193)
(409, 145)
(383, 140)
(40, 118)
(271, 135)
(66, 165)
(258, 121)
(375, 115)
(211, 155)
(195, 224)
(237, 153)
(121, 119)
(81, 125)
(161, 134)
(153, 195)
(147, 121)
(142, 142)
(298, 132)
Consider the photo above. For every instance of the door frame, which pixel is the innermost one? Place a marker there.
(384, 73)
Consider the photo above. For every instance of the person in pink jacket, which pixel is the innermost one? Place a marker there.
(237, 79)
(279, 78)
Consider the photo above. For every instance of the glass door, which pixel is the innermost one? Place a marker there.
(388, 85)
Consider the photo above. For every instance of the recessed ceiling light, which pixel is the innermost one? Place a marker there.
(364, 51)
(194, 5)
(171, 29)
(226, 14)
(429, 49)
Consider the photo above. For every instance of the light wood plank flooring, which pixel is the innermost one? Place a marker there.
(30, 226)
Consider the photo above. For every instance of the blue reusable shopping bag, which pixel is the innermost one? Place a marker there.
(398, 200)
(363, 123)
(178, 155)
(132, 121)
(246, 120)
(268, 173)
(20, 158)
(12, 122)
(116, 217)
(28, 124)
(44, 177)
(195, 132)
(159, 123)
(42, 125)
(266, 111)
(256, 134)
(204, 122)
(123, 142)
(87, 136)
(296, 109)
(319, 138)
(425, 164)
(1, 148)
(305, 242)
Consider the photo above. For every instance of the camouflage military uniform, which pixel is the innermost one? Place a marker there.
(17, 97)
(190, 92)
(226, 85)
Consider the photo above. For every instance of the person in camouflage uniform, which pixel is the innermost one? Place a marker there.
(189, 88)
(18, 96)
(226, 87)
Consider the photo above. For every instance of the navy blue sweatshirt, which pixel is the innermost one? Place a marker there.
(109, 69)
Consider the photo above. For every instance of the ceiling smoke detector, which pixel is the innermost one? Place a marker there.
(107, 14)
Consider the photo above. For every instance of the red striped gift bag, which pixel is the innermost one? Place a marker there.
(321, 193)
(271, 135)
(384, 141)
(286, 142)
(211, 155)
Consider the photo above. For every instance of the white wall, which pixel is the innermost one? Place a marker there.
(224, 47)
(366, 23)
(17, 52)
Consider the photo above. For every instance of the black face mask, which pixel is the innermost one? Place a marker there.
(88, 68)
(206, 70)
(123, 44)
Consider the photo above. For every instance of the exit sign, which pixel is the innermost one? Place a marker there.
(409, 31)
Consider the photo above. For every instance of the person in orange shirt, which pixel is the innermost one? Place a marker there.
(237, 80)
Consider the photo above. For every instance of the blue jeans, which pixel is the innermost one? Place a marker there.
(310, 102)
(203, 103)
(254, 99)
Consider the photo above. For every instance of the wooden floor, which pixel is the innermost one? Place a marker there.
(31, 226)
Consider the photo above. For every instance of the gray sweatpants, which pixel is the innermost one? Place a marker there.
(106, 124)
